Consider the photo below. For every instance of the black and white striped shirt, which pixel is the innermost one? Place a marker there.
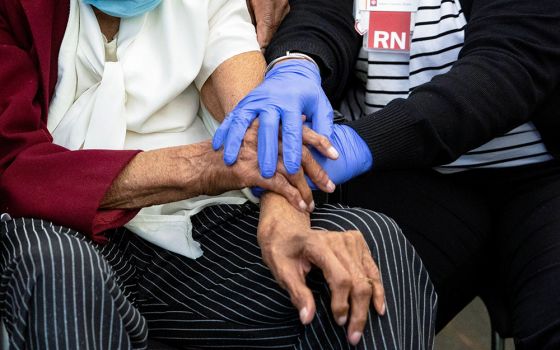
(437, 39)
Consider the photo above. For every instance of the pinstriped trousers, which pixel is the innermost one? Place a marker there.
(58, 290)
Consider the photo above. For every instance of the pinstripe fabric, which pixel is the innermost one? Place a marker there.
(228, 298)
(60, 291)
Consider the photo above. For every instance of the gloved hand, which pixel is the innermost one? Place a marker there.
(292, 88)
(355, 157)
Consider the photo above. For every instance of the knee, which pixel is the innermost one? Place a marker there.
(46, 252)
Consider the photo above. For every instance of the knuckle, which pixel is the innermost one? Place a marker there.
(343, 282)
(362, 289)
(357, 235)
(340, 307)
(324, 142)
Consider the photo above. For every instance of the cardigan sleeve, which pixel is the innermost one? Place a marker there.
(508, 68)
(324, 30)
(39, 179)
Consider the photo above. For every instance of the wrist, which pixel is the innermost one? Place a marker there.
(276, 211)
(290, 56)
(198, 169)
(365, 155)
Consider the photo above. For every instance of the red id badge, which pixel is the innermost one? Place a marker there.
(389, 31)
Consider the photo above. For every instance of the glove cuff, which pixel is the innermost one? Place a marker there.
(289, 56)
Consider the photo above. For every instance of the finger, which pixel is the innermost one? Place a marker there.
(362, 286)
(373, 273)
(239, 124)
(267, 145)
(321, 143)
(347, 253)
(337, 276)
(279, 184)
(322, 117)
(221, 133)
(360, 299)
(298, 180)
(292, 141)
(316, 174)
(300, 295)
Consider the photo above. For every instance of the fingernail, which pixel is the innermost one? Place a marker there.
(303, 314)
(331, 186)
(355, 338)
(312, 206)
(383, 308)
(342, 320)
(302, 205)
(333, 153)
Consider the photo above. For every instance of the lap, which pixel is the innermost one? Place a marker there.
(229, 297)
(230, 289)
(44, 248)
(529, 254)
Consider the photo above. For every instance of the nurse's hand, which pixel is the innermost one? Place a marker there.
(292, 88)
(355, 157)
(267, 16)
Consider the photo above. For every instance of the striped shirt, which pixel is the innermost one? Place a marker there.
(437, 39)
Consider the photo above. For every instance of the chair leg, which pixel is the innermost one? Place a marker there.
(498, 343)
(3, 337)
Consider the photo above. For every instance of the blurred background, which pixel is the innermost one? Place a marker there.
(470, 330)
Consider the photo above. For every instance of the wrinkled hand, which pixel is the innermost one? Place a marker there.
(267, 16)
(245, 173)
(291, 89)
(290, 247)
(354, 158)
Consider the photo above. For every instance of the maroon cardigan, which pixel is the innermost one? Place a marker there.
(39, 179)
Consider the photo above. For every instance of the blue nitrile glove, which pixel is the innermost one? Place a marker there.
(355, 156)
(292, 88)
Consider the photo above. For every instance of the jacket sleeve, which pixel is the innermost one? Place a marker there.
(323, 29)
(39, 179)
(508, 67)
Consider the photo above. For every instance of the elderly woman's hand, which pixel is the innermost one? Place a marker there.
(290, 247)
(267, 16)
(245, 173)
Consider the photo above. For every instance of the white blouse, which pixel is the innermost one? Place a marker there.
(146, 93)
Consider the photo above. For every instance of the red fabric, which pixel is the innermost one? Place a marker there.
(39, 179)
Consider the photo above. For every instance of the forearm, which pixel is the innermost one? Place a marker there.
(231, 81)
(163, 176)
(173, 174)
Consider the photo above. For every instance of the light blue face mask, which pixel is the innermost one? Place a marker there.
(124, 8)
